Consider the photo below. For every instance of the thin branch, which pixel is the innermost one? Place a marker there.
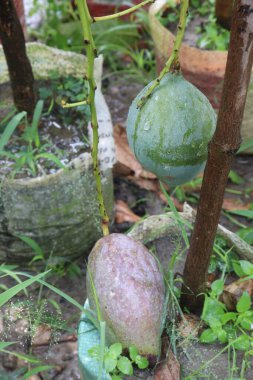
(86, 21)
(173, 61)
(123, 13)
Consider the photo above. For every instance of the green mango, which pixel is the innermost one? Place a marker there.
(169, 134)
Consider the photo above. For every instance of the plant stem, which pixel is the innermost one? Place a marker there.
(86, 21)
(173, 61)
(223, 147)
(123, 13)
(71, 105)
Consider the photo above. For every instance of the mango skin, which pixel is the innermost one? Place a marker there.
(131, 293)
(169, 134)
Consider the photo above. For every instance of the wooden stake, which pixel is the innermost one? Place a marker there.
(222, 149)
(20, 70)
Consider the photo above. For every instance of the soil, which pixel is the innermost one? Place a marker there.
(59, 347)
(65, 141)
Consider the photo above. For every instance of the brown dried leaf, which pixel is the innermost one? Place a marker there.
(124, 214)
(230, 204)
(234, 291)
(42, 335)
(126, 162)
(190, 326)
(168, 369)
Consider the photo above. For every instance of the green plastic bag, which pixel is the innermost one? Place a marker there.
(88, 337)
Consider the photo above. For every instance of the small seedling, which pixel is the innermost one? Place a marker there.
(226, 326)
(116, 364)
(33, 151)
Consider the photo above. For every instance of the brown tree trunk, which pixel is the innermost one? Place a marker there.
(223, 12)
(20, 70)
(222, 149)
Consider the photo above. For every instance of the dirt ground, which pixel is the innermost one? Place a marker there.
(58, 346)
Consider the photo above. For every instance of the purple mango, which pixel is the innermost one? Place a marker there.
(131, 293)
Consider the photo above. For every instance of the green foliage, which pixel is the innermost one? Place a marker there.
(116, 364)
(66, 90)
(62, 27)
(117, 40)
(211, 35)
(32, 150)
(226, 326)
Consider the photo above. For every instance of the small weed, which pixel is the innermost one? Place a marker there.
(115, 363)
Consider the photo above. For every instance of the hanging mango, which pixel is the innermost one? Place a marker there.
(170, 132)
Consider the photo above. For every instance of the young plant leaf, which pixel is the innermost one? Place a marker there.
(217, 287)
(141, 362)
(228, 317)
(125, 366)
(115, 350)
(110, 364)
(36, 370)
(208, 336)
(12, 125)
(244, 303)
(242, 343)
(247, 267)
(8, 294)
(133, 352)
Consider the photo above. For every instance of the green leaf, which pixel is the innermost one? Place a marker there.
(10, 128)
(242, 343)
(125, 366)
(235, 178)
(246, 234)
(115, 350)
(237, 268)
(228, 317)
(116, 377)
(217, 287)
(36, 370)
(247, 267)
(244, 303)
(141, 362)
(8, 294)
(110, 364)
(4, 345)
(94, 351)
(133, 352)
(208, 336)
(222, 335)
(246, 323)
(36, 120)
(245, 213)
(213, 310)
(32, 244)
(51, 157)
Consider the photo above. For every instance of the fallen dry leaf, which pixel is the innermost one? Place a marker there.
(126, 162)
(168, 369)
(42, 335)
(190, 326)
(129, 167)
(124, 214)
(230, 204)
(233, 292)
